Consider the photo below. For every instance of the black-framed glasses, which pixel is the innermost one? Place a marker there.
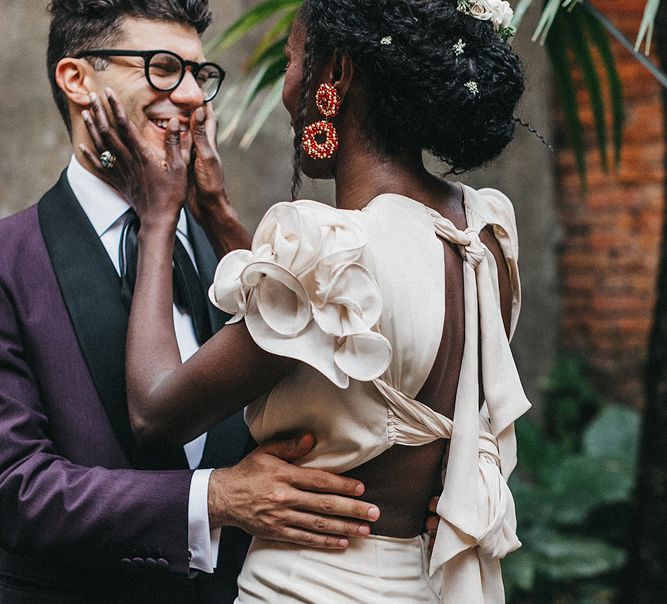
(165, 69)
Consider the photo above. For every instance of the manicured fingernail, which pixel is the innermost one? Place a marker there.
(343, 542)
(82, 147)
(359, 489)
(364, 529)
(85, 115)
(173, 124)
(199, 114)
(108, 92)
(92, 96)
(373, 513)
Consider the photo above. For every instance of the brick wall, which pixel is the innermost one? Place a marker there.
(609, 255)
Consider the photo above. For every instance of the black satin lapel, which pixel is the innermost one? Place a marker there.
(206, 265)
(90, 288)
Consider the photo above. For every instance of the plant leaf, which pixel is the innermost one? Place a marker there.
(614, 434)
(578, 43)
(566, 92)
(269, 104)
(249, 20)
(279, 31)
(546, 20)
(646, 27)
(564, 556)
(520, 11)
(599, 37)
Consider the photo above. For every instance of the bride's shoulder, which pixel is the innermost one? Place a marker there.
(493, 205)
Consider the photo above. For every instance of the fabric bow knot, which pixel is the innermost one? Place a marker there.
(474, 251)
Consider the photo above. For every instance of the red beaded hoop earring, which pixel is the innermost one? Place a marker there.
(328, 102)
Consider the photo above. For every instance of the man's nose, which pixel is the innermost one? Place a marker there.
(188, 92)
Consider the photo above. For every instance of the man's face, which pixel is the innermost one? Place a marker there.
(150, 109)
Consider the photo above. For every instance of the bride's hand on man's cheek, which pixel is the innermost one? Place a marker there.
(207, 197)
(156, 188)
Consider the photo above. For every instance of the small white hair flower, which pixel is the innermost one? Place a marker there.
(472, 87)
(458, 47)
(386, 41)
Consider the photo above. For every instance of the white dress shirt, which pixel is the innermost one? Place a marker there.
(105, 209)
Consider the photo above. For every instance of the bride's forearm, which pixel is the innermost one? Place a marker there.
(152, 348)
(224, 229)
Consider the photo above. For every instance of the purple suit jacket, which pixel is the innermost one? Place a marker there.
(85, 515)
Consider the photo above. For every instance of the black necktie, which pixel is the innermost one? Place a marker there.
(188, 291)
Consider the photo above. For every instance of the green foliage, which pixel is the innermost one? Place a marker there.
(572, 488)
(572, 30)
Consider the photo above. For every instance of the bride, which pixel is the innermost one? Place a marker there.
(381, 325)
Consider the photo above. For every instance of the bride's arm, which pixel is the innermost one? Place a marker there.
(168, 400)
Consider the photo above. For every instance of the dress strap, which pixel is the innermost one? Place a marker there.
(477, 517)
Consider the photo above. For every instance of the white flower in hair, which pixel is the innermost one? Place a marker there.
(499, 12)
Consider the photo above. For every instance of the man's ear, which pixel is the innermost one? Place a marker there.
(73, 79)
(340, 72)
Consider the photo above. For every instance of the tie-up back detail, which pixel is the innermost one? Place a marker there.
(355, 296)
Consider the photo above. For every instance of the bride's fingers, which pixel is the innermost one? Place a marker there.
(108, 134)
(93, 158)
(126, 128)
(200, 136)
(211, 122)
(92, 130)
(172, 145)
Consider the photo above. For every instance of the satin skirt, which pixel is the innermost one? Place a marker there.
(372, 570)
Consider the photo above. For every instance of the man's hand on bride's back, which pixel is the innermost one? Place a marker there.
(269, 497)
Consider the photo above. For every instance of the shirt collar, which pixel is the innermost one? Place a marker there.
(103, 204)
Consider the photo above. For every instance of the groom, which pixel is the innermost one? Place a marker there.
(85, 514)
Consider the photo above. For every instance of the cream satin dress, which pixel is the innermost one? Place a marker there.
(358, 297)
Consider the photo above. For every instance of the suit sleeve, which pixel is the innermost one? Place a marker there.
(51, 506)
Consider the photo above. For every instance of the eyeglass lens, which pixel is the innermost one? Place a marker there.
(164, 71)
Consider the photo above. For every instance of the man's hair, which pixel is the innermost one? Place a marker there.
(78, 25)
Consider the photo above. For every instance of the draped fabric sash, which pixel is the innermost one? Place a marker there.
(477, 517)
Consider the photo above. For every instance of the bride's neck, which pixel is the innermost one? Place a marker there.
(362, 175)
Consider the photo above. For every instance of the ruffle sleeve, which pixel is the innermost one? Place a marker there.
(305, 294)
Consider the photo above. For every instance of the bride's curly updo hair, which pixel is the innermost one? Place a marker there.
(420, 92)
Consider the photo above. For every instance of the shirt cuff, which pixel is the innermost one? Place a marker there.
(203, 543)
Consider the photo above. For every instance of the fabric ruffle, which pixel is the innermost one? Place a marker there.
(304, 294)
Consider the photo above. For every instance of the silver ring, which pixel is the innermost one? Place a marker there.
(108, 159)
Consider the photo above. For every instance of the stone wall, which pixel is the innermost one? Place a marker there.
(612, 232)
(35, 149)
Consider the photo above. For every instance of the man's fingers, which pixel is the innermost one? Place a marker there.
(324, 482)
(328, 525)
(290, 449)
(310, 539)
(433, 504)
(335, 505)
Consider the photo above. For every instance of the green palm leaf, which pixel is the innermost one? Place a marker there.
(569, 28)
(600, 39)
(566, 91)
(577, 41)
(254, 17)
